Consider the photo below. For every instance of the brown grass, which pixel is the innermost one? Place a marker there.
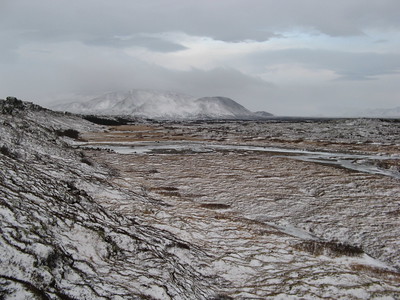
(387, 274)
(215, 205)
(169, 194)
(132, 128)
(167, 191)
(334, 249)
(165, 188)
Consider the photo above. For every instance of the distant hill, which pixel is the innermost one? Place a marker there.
(161, 105)
(383, 112)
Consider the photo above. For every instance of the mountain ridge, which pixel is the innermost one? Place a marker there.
(161, 105)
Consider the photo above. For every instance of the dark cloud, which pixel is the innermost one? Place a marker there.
(224, 19)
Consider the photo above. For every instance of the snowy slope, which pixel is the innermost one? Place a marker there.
(160, 104)
(221, 106)
(57, 242)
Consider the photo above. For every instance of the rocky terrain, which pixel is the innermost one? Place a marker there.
(59, 242)
(285, 209)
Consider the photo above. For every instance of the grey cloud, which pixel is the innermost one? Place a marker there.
(90, 77)
(229, 20)
(220, 82)
(216, 82)
(243, 34)
(93, 75)
(92, 61)
(347, 65)
(8, 47)
(151, 43)
(333, 99)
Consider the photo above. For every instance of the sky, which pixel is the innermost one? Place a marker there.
(287, 57)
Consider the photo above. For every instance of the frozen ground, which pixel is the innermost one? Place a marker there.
(200, 211)
(58, 242)
(296, 215)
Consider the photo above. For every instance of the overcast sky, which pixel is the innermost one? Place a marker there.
(288, 57)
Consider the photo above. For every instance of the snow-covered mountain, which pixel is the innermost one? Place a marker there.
(160, 104)
(221, 106)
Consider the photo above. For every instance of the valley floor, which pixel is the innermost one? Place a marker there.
(282, 209)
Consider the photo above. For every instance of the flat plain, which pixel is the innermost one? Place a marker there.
(282, 208)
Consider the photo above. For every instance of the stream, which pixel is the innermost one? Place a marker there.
(357, 162)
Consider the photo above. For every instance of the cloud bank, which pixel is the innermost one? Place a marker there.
(290, 57)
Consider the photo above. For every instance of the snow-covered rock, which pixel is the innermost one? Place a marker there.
(58, 242)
